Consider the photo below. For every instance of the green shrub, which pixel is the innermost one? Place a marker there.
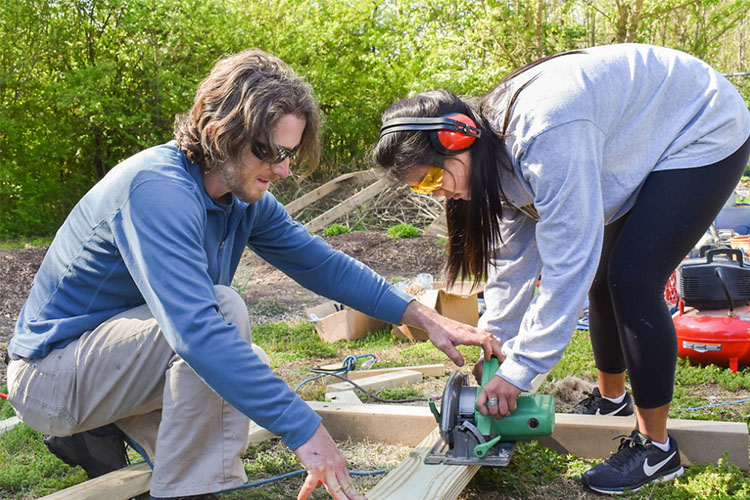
(403, 231)
(334, 229)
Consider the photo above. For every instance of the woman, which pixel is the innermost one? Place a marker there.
(597, 169)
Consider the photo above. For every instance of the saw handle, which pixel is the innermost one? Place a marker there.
(489, 368)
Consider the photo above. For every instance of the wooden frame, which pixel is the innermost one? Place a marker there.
(586, 436)
(345, 206)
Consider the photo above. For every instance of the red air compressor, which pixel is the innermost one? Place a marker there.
(713, 319)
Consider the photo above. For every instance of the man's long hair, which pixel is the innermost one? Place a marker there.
(241, 101)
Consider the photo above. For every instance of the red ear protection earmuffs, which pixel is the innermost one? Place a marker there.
(449, 134)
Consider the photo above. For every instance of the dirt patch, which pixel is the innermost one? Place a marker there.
(272, 296)
(17, 269)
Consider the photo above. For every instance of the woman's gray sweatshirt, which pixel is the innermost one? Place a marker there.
(583, 136)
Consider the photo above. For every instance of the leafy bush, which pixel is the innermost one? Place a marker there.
(334, 229)
(403, 231)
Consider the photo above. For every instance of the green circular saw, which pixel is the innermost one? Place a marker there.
(470, 438)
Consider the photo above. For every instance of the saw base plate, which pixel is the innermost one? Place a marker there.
(498, 456)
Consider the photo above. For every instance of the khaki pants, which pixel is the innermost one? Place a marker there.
(125, 372)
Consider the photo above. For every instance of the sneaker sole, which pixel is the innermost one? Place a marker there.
(669, 476)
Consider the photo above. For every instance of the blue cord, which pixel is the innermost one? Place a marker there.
(716, 404)
(140, 450)
(297, 473)
(349, 364)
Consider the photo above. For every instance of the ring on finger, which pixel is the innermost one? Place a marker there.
(492, 401)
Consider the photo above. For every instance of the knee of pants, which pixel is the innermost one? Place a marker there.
(632, 286)
(233, 309)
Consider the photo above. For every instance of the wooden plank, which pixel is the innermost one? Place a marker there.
(436, 370)
(8, 424)
(586, 436)
(121, 484)
(345, 206)
(131, 481)
(382, 381)
(343, 398)
(700, 441)
(412, 479)
(259, 434)
(391, 423)
(329, 187)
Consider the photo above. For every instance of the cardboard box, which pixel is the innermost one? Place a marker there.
(458, 302)
(335, 322)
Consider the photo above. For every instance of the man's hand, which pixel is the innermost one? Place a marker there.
(446, 333)
(325, 465)
(501, 390)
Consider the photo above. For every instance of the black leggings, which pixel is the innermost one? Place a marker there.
(630, 324)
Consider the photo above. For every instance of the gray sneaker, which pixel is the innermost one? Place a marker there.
(595, 404)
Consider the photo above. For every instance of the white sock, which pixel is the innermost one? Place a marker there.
(662, 446)
(616, 400)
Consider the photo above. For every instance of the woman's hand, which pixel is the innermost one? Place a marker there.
(446, 333)
(501, 396)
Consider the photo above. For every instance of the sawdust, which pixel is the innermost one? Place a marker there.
(569, 391)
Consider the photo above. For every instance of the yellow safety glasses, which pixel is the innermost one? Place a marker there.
(431, 182)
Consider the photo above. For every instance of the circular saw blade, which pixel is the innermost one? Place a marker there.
(449, 406)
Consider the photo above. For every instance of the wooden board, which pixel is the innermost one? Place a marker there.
(586, 436)
(343, 397)
(382, 381)
(131, 481)
(8, 424)
(329, 187)
(412, 479)
(436, 370)
(345, 206)
(121, 484)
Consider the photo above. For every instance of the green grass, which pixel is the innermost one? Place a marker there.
(334, 229)
(22, 242)
(28, 471)
(286, 342)
(6, 410)
(403, 231)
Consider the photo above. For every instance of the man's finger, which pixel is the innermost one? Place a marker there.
(336, 490)
(450, 350)
(311, 482)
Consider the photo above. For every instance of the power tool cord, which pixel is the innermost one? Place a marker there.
(349, 364)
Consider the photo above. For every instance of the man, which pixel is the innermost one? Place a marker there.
(131, 321)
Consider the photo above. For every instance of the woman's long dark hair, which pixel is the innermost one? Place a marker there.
(473, 225)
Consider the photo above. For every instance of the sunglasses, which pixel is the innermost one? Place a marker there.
(263, 153)
(431, 182)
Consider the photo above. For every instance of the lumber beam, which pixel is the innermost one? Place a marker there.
(345, 206)
(436, 370)
(412, 479)
(329, 187)
(343, 397)
(131, 481)
(8, 424)
(382, 381)
(121, 484)
(586, 436)
(700, 441)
